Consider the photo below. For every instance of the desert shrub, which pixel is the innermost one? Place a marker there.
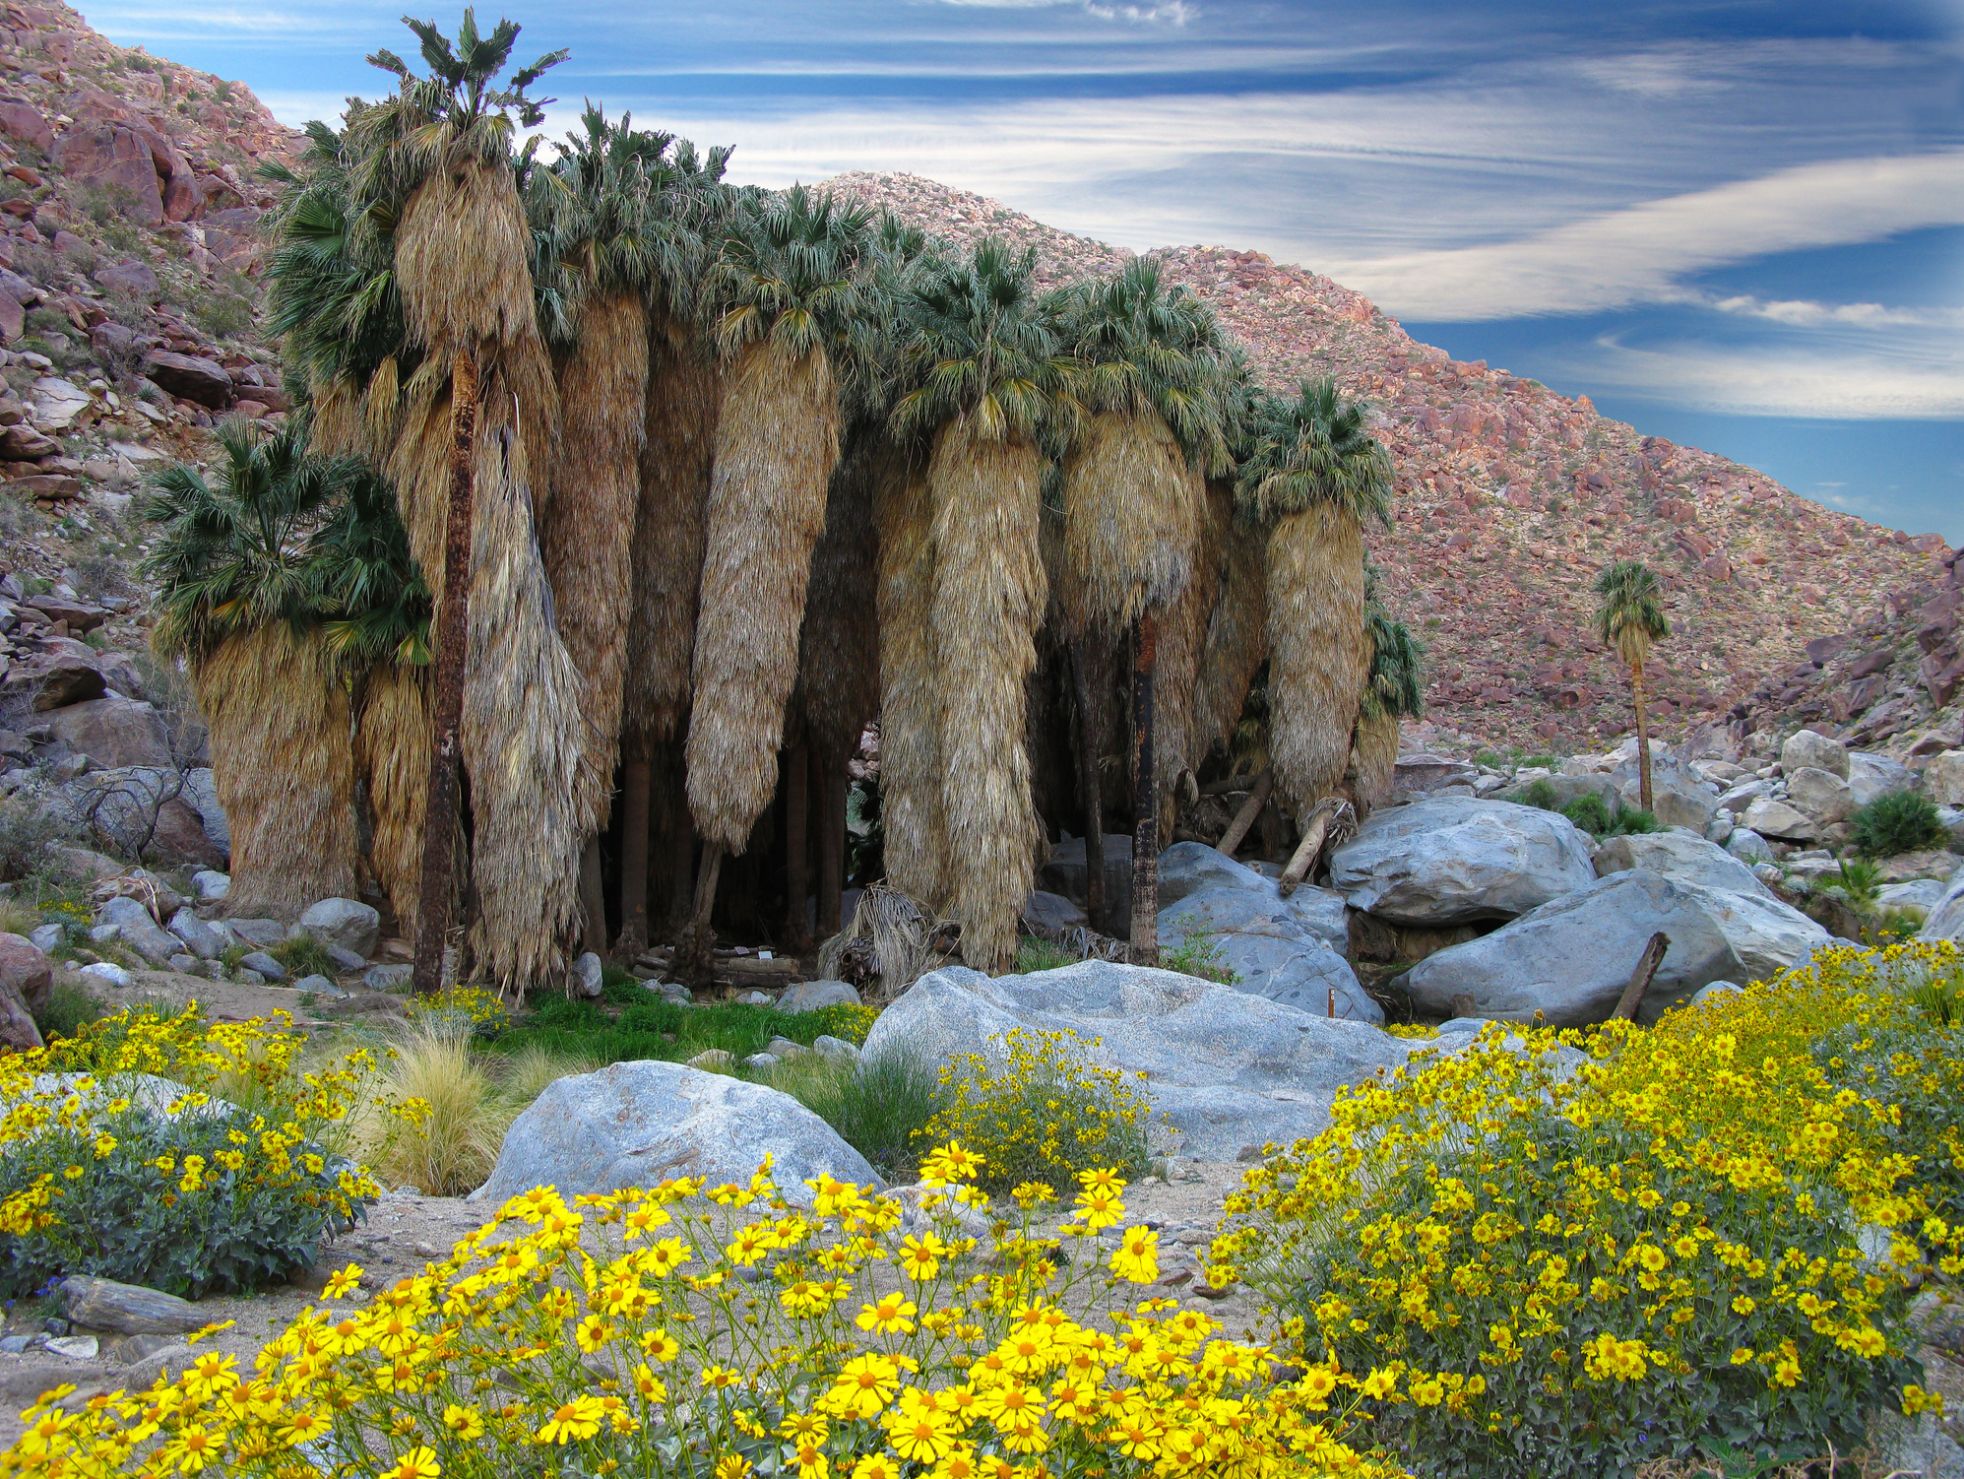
(467, 1009)
(1633, 821)
(191, 1156)
(1038, 1107)
(1856, 880)
(441, 1116)
(1540, 793)
(881, 1109)
(67, 1010)
(1199, 954)
(530, 1071)
(25, 832)
(1897, 822)
(1035, 954)
(1525, 1268)
(303, 955)
(655, 1333)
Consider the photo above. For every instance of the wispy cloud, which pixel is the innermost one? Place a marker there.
(1763, 381)
(1166, 12)
(1809, 313)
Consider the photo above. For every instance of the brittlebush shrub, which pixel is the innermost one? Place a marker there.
(196, 1157)
(652, 1333)
(1570, 1256)
(1039, 1107)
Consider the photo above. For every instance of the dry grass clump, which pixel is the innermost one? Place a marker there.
(891, 936)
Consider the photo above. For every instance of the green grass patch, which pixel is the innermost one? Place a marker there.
(881, 1109)
(606, 1031)
(303, 955)
(1033, 954)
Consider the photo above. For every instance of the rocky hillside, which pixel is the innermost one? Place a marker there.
(1511, 498)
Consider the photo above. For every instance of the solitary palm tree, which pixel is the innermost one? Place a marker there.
(1629, 618)
(1314, 475)
(982, 374)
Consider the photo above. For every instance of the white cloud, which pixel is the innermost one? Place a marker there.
(1808, 313)
(1166, 12)
(1764, 381)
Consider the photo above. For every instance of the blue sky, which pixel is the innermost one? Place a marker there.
(1736, 223)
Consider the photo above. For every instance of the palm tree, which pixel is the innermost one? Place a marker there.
(1135, 502)
(1393, 690)
(240, 601)
(983, 379)
(1629, 618)
(785, 282)
(442, 146)
(1313, 476)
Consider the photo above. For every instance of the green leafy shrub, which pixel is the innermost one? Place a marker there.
(1041, 1109)
(1633, 821)
(1897, 822)
(1199, 954)
(1540, 793)
(1590, 813)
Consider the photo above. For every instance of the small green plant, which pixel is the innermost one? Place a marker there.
(881, 1109)
(1039, 1108)
(1199, 954)
(303, 955)
(1939, 995)
(1858, 882)
(1633, 821)
(1897, 822)
(67, 1009)
(1034, 954)
(1590, 813)
(1541, 793)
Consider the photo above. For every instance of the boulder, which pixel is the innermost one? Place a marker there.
(263, 966)
(26, 976)
(68, 678)
(127, 1309)
(1805, 749)
(1227, 1070)
(1748, 846)
(1188, 867)
(26, 124)
(1455, 858)
(1943, 778)
(1679, 797)
(1258, 908)
(589, 976)
(107, 972)
(1569, 960)
(1771, 817)
(114, 732)
(1297, 971)
(209, 886)
(133, 279)
(348, 923)
(115, 160)
(189, 377)
(1414, 776)
(634, 1124)
(1871, 776)
(1048, 915)
(810, 996)
(1565, 790)
(1820, 795)
(200, 938)
(1919, 896)
(136, 929)
(1681, 858)
(1064, 873)
(264, 933)
(1945, 921)
(201, 790)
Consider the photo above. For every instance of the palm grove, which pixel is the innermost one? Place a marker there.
(620, 499)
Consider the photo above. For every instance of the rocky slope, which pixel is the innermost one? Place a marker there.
(1511, 498)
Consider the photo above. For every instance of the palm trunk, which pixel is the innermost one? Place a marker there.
(1643, 734)
(1145, 797)
(797, 848)
(637, 805)
(593, 899)
(829, 784)
(440, 812)
(694, 951)
(1089, 783)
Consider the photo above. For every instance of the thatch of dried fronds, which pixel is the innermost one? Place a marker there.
(669, 528)
(337, 428)
(284, 766)
(1373, 759)
(910, 709)
(839, 655)
(1132, 515)
(1236, 642)
(891, 936)
(588, 529)
(522, 737)
(1176, 677)
(777, 442)
(392, 750)
(381, 404)
(1319, 649)
(463, 260)
(988, 600)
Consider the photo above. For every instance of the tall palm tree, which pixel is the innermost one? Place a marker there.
(1394, 689)
(787, 294)
(240, 601)
(1629, 619)
(481, 406)
(1314, 475)
(1135, 503)
(983, 378)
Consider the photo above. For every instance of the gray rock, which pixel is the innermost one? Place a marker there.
(268, 968)
(1564, 790)
(202, 940)
(783, 1047)
(809, 996)
(45, 937)
(1719, 828)
(127, 1309)
(319, 986)
(634, 1124)
(201, 790)
(344, 959)
(1871, 776)
(1943, 778)
(388, 977)
(754, 999)
(1678, 797)
(209, 886)
(1821, 795)
(1681, 858)
(713, 1060)
(1225, 1068)
(1748, 846)
(1946, 920)
(1714, 991)
(104, 934)
(1569, 960)
(761, 1062)
(348, 923)
(1255, 907)
(1744, 793)
(588, 977)
(184, 963)
(1416, 776)
(1918, 896)
(1771, 817)
(136, 929)
(1805, 749)
(828, 1046)
(1048, 915)
(1913, 1448)
(246, 976)
(673, 991)
(1451, 859)
(1190, 867)
(107, 972)
(75, 1347)
(1297, 971)
(265, 933)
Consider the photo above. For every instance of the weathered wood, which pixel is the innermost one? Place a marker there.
(693, 955)
(127, 1309)
(452, 644)
(1245, 819)
(1316, 831)
(1088, 783)
(1227, 785)
(1145, 797)
(1641, 977)
(729, 970)
(593, 902)
(637, 820)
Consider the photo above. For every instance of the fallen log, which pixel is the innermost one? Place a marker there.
(1250, 813)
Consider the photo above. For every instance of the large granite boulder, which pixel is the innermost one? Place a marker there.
(136, 929)
(348, 923)
(1680, 857)
(1946, 920)
(1821, 795)
(1679, 796)
(1569, 960)
(1450, 859)
(1805, 750)
(1943, 778)
(114, 732)
(1872, 776)
(1227, 1070)
(633, 1124)
(1771, 817)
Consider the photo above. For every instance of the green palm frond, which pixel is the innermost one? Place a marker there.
(1316, 448)
(1630, 610)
